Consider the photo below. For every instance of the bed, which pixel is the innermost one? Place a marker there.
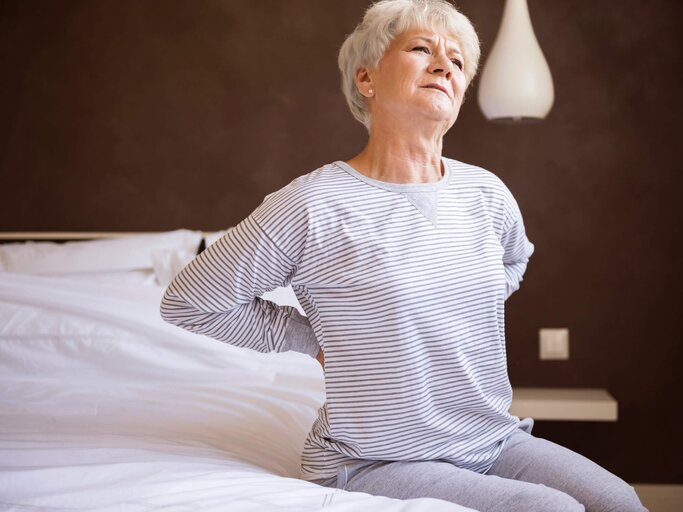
(105, 407)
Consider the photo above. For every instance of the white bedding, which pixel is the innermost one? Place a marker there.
(104, 407)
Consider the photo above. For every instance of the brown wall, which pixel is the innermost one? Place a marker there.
(155, 115)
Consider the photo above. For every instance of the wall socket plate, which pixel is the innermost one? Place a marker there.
(553, 344)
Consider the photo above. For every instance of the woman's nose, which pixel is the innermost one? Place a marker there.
(441, 65)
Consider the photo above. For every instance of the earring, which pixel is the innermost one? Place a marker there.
(371, 92)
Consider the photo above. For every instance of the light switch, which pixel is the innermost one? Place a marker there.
(554, 343)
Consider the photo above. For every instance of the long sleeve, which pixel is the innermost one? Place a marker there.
(217, 294)
(518, 249)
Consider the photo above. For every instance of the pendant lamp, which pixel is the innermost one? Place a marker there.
(516, 84)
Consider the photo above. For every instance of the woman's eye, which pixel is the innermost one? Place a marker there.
(422, 49)
(457, 63)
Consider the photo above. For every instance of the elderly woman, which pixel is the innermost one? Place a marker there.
(402, 260)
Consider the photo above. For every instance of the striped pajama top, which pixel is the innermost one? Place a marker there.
(403, 286)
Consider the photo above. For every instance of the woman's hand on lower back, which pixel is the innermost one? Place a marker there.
(321, 358)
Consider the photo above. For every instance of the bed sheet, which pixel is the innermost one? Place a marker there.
(105, 407)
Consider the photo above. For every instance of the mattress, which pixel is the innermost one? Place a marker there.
(105, 407)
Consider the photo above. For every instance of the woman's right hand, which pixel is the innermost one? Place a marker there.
(321, 358)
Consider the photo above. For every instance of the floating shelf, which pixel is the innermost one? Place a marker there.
(564, 404)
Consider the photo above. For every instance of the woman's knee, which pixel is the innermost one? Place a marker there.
(545, 499)
(621, 499)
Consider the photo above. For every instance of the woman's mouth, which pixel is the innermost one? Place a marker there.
(436, 87)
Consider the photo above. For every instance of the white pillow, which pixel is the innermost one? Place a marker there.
(129, 253)
(144, 277)
(168, 263)
(213, 236)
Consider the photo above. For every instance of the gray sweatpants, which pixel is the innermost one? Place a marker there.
(531, 474)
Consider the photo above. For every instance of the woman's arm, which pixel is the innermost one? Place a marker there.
(217, 294)
(518, 249)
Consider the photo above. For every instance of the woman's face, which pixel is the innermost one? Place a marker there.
(420, 77)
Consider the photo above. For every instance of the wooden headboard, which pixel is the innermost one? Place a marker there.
(74, 236)
(69, 235)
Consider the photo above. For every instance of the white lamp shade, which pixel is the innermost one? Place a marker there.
(516, 84)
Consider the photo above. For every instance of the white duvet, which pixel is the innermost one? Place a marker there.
(104, 407)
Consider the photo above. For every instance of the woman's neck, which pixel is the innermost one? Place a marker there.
(400, 157)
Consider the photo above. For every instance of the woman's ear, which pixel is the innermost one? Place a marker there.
(364, 82)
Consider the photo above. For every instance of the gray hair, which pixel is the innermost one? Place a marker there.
(382, 23)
